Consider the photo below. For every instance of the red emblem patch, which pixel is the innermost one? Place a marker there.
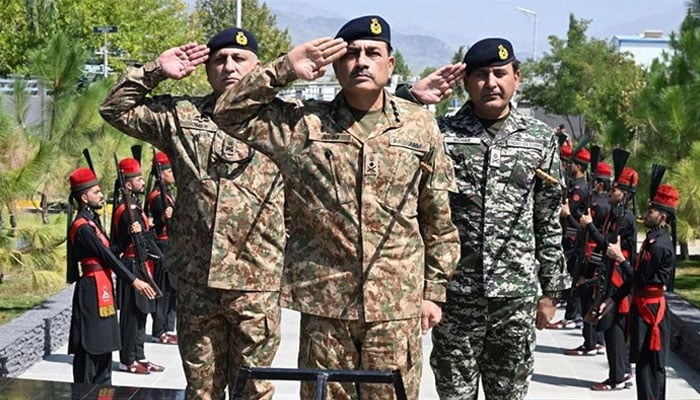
(576, 197)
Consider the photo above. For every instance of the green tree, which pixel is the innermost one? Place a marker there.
(31, 24)
(401, 68)
(216, 15)
(584, 78)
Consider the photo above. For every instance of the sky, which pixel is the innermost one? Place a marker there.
(462, 22)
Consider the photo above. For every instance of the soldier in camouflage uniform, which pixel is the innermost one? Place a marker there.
(507, 213)
(371, 245)
(228, 243)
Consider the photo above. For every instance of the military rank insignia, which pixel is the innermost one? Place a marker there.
(502, 52)
(241, 39)
(375, 27)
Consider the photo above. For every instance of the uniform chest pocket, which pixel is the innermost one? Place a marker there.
(467, 155)
(325, 176)
(518, 163)
(398, 174)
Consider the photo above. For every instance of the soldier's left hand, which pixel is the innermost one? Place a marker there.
(546, 307)
(310, 60)
(586, 219)
(614, 251)
(168, 213)
(431, 314)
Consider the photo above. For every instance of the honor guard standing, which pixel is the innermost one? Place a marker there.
(371, 245)
(618, 222)
(575, 205)
(507, 212)
(650, 272)
(133, 307)
(159, 205)
(227, 247)
(94, 330)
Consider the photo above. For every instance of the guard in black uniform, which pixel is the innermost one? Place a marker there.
(133, 307)
(575, 206)
(619, 222)
(94, 330)
(159, 207)
(652, 270)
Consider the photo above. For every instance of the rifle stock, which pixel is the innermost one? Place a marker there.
(137, 239)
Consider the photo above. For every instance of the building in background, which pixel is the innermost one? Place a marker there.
(644, 47)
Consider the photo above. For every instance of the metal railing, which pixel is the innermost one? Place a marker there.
(320, 376)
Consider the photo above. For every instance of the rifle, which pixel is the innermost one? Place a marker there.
(579, 256)
(137, 239)
(606, 266)
(157, 173)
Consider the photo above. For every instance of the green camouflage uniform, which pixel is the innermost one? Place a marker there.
(508, 221)
(227, 246)
(370, 232)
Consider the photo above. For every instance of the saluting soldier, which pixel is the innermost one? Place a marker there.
(227, 247)
(94, 329)
(134, 308)
(371, 245)
(160, 205)
(650, 272)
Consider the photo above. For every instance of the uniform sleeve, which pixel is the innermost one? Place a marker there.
(88, 240)
(440, 236)
(250, 111)
(547, 227)
(128, 108)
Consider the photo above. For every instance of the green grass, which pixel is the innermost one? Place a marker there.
(18, 295)
(688, 280)
(19, 291)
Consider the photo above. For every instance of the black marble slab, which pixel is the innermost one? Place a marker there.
(25, 389)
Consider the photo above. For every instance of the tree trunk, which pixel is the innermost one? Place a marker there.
(44, 209)
(685, 252)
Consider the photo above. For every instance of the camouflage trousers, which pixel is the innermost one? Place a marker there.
(488, 338)
(221, 330)
(328, 343)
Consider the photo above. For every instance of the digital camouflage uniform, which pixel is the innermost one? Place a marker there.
(510, 234)
(227, 244)
(370, 232)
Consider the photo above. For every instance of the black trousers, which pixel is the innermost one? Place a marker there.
(164, 317)
(616, 349)
(132, 327)
(92, 368)
(650, 367)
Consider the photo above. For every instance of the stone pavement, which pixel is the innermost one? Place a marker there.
(556, 376)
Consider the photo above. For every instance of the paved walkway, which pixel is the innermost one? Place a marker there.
(556, 376)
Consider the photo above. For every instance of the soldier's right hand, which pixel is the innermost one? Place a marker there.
(310, 60)
(179, 62)
(144, 289)
(135, 228)
(437, 86)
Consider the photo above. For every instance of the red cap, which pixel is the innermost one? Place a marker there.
(582, 156)
(162, 160)
(604, 171)
(565, 151)
(81, 179)
(627, 180)
(666, 198)
(130, 168)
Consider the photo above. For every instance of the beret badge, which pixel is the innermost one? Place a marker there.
(375, 27)
(241, 38)
(502, 52)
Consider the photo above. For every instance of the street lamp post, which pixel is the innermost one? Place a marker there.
(105, 30)
(532, 14)
(238, 13)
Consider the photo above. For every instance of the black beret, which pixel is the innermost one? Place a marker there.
(233, 37)
(489, 52)
(372, 27)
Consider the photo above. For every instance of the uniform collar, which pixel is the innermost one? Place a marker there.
(345, 120)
